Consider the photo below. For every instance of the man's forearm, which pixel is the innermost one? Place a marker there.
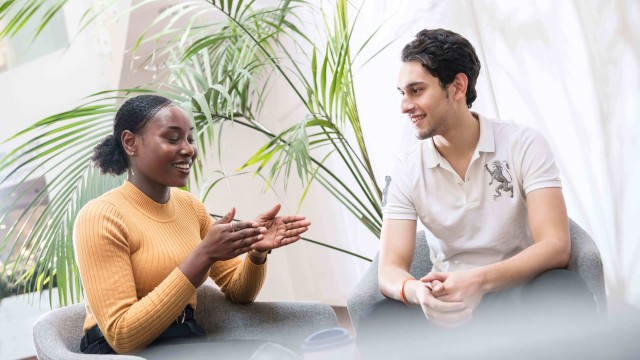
(391, 279)
(551, 244)
(524, 266)
(396, 253)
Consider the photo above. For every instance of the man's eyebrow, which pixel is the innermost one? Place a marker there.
(411, 84)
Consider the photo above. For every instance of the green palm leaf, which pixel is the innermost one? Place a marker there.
(47, 249)
(219, 72)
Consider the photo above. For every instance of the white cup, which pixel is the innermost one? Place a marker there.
(333, 343)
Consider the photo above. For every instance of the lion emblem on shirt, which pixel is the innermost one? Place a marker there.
(498, 174)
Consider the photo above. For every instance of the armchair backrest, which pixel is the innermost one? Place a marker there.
(586, 261)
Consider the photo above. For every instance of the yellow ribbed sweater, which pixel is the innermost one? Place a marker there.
(128, 249)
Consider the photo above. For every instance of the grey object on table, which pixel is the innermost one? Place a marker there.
(57, 334)
(585, 260)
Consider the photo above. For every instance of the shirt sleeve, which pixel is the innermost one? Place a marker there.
(103, 255)
(397, 202)
(238, 278)
(538, 168)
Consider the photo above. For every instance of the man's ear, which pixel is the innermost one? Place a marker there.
(128, 140)
(460, 83)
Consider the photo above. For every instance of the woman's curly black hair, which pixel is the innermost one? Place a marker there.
(444, 54)
(133, 115)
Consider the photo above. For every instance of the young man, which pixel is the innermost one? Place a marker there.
(489, 192)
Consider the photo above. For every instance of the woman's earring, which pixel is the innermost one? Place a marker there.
(133, 153)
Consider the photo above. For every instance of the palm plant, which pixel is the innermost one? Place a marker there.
(219, 72)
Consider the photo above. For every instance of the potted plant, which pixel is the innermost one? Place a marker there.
(219, 72)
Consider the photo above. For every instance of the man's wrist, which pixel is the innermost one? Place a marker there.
(482, 279)
(409, 291)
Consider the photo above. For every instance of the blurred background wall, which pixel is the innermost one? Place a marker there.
(568, 68)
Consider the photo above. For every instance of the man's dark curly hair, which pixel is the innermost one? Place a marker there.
(133, 115)
(444, 54)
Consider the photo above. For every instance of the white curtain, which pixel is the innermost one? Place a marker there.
(568, 68)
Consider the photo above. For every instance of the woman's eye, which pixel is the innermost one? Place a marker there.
(415, 91)
(191, 141)
(172, 140)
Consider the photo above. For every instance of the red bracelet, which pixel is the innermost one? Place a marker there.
(404, 299)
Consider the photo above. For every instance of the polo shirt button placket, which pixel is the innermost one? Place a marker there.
(467, 192)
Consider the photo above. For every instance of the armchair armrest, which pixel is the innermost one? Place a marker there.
(284, 322)
(57, 334)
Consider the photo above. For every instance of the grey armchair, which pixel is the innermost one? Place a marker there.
(585, 260)
(57, 334)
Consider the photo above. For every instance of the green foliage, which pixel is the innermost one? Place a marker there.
(21, 281)
(219, 72)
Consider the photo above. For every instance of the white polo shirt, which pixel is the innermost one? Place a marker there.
(482, 219)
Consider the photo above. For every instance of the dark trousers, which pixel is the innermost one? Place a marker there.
(553, 307)
(93, 342)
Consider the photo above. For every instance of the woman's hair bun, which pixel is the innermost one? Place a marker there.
(109, 156)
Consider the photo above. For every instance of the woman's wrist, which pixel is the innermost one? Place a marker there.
(258, 257)
(195, 268)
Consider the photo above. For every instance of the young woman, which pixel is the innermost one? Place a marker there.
(144, 247)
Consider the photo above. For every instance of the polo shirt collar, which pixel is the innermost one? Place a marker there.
(433, 156)
(486, 143)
